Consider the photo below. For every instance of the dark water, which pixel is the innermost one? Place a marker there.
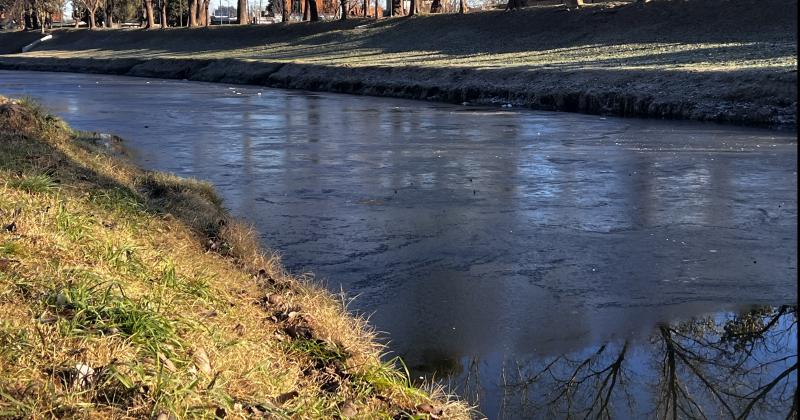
(482, 239)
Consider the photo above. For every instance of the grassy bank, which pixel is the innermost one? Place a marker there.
(133, 294)
(720, 60)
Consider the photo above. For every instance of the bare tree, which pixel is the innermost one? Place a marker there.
(514, 4)
(241, 12)
(193, 11)
(148, 9)
(202, 13)
(310, 10)
(91, 7)
(413, 9)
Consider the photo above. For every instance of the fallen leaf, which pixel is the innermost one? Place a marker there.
(275, 299)
(201, 361)
(348, 409)
(168, 365)
(286, 397)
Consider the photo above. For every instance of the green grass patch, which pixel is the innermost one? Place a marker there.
(102, 308)
(10, 248)
(33, 183)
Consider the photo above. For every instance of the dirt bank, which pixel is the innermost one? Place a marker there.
(718, 60)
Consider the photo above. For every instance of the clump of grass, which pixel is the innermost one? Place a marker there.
(123, 257)
(10, 248)
(119, 200)
(318, 352)
(102, 308)
(197, 286)
(33, 183)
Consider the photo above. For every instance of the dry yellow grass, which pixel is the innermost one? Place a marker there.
(131, 294)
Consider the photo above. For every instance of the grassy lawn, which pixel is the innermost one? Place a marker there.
(692, 36)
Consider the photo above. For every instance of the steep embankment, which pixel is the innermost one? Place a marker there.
(132, 294)
(722, 60)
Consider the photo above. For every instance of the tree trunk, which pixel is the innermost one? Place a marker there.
(311, 11)
(413, 9)
(241, 12)
(92, 22)
(462, 6)
(344, 9)
(573, 4)
(204, 10)
(193, 13)
(148, 8)
(164, 20)
(202, 13)
(366, 8)
(377, 13)
(436, 6)
(287, 10)
(397, 7)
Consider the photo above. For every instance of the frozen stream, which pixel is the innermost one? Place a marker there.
(473, 235)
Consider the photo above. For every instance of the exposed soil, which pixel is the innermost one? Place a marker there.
(718, 60)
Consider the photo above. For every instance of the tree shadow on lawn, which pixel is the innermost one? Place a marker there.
(492, 32)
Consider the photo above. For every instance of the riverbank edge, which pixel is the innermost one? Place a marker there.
(102, 196)
(602, 92)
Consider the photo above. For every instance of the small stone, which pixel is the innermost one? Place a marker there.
(275, 299)
(111, 331)
(84, 376)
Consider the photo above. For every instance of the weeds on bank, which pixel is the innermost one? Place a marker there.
(33, 183)
(128, 293)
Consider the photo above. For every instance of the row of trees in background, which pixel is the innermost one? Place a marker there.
(38, 14)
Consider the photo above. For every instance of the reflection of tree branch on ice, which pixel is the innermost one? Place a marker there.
(738, 365)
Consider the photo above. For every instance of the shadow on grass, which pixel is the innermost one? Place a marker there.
(491, 32)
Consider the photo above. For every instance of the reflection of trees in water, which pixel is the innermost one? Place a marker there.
(733, 366)
(576, 385)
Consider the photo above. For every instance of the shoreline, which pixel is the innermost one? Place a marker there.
(436, 86)
(714, 60)
(151, 300)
